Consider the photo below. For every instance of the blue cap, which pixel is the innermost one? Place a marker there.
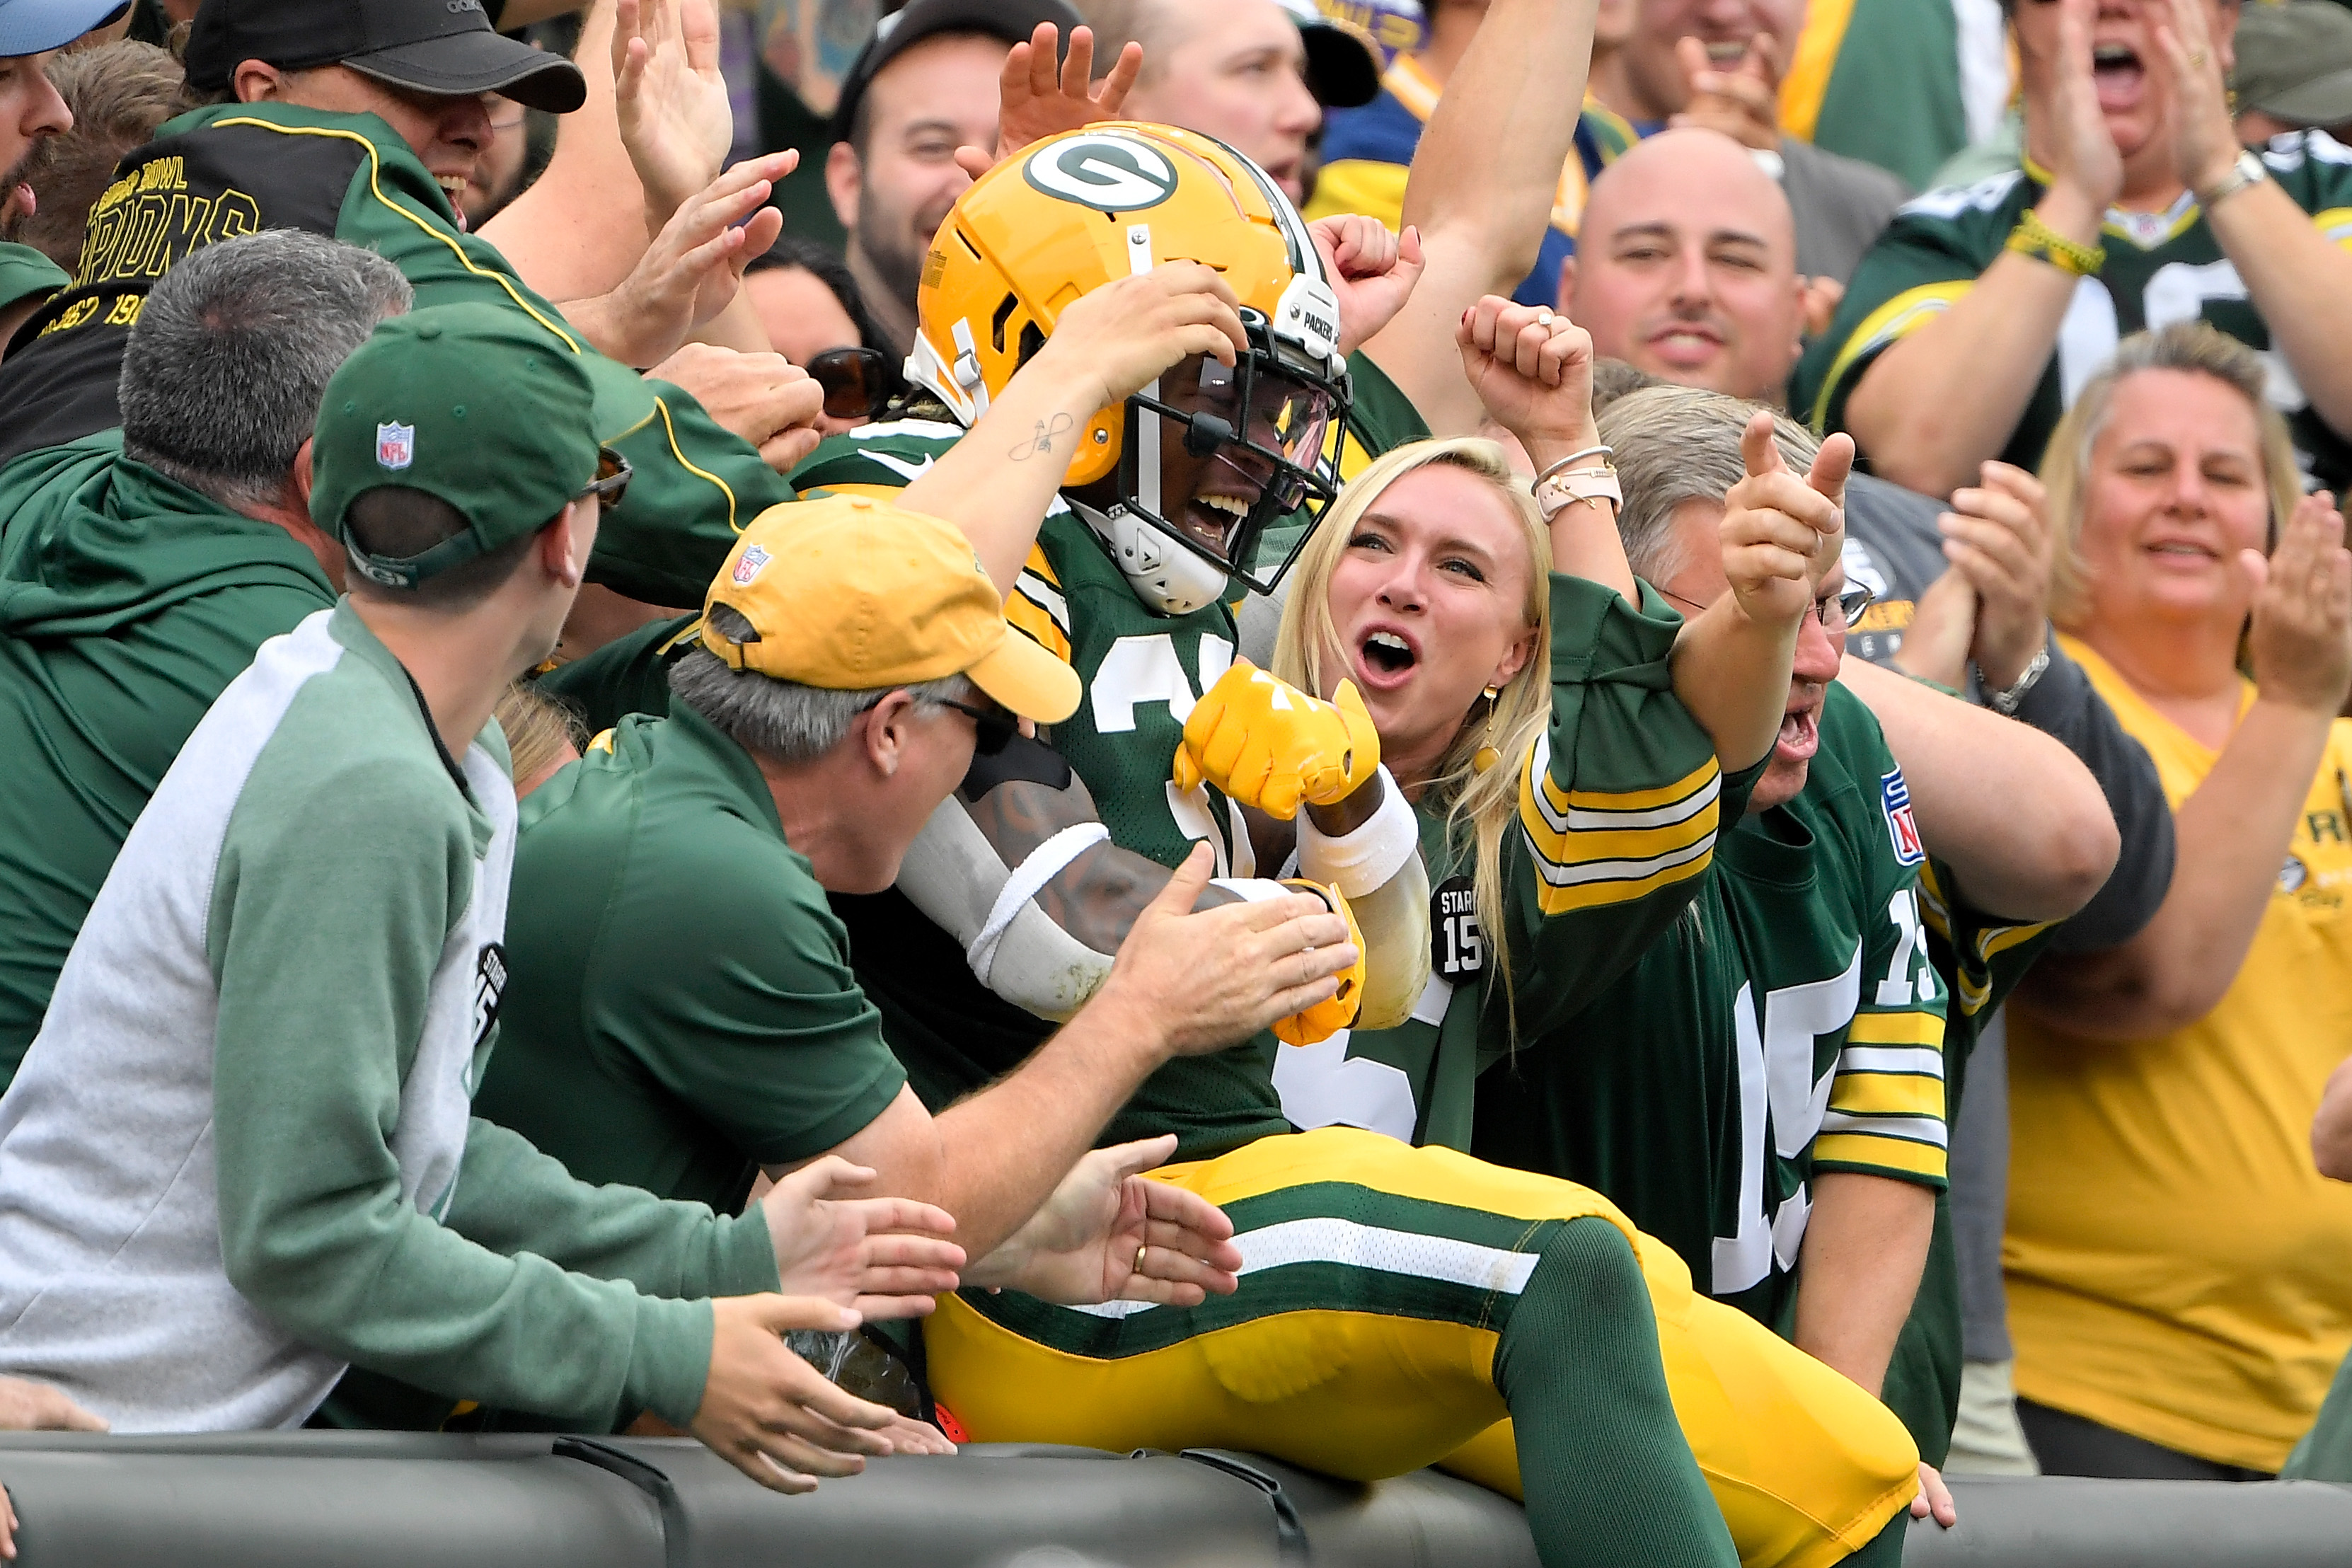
(36, 26)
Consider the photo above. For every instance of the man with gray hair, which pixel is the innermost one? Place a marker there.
(139, 571)
(1801, 994)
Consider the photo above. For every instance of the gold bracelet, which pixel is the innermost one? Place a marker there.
(2034, 237)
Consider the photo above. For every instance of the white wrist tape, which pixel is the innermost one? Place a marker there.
(1256, 890)
(1045, 863)
(1366, 858)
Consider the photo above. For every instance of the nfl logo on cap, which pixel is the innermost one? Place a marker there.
(1895, 796)
(395, 445)
(747, 565)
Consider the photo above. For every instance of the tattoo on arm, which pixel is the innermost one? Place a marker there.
(1041, 443)
(1097, 897)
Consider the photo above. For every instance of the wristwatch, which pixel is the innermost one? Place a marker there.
(2249, 170)
(2006, 702)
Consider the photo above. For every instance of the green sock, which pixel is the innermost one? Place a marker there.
(1608, 1476)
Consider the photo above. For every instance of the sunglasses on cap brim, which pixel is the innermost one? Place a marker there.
(856, 382)
(612, 480)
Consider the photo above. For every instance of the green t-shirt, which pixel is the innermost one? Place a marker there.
(680, 1008)
(2160, 269)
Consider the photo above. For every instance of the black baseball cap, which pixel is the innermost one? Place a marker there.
(446, 47)
(894, 35)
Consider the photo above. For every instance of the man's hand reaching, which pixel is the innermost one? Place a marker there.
(36, 1408)
(764, 398)
(693, 267)
(1109, 1234)
(772, 1414)
(1035, 102)
(676, 121)
(883, 1258)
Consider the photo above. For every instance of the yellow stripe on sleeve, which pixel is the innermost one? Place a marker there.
(877, 492)
(2335, 226)
(1895, 1156)
(1030, 617)
(1888, 1094)
(1896, 1029)
(1588, 854)
(1898, 318)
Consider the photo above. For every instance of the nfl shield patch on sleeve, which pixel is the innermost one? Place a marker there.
(1895, 796)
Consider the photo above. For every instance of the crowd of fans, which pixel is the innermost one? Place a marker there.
(844, 726)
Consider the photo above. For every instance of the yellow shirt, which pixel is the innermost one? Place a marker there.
(2176, 1268)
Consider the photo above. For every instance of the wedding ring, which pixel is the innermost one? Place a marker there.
(2196, 60)
(1139, 1258)
(1543, 318)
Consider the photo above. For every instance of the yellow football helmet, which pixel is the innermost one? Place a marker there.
(1188, 473)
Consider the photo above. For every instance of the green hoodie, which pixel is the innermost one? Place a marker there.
(127, 603)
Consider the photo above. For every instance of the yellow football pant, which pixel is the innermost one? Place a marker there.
(1359, 1345)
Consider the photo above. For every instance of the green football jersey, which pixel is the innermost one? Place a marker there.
(2160, 267)
(1793, 1026)
(1645, 776)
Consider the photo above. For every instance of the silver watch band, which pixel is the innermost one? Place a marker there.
(2249, 170)
(2006, 702)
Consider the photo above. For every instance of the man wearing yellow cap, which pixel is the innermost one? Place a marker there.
(680, 1013)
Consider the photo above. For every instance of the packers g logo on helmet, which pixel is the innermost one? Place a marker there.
(1108, 173)
(1246, 446)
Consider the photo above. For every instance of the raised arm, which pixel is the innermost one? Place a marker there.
(1481, 189)
(1944, 397)
(2233, 831)
(998, 481)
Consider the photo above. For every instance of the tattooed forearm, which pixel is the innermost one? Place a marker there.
(1039, 443)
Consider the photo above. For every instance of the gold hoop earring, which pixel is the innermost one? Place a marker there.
(1486, 756)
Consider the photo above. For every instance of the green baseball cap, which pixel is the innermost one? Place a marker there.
(2294, 61)
(462, 402)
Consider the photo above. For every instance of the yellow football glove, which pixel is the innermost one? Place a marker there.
(1268, 745)
(1326, 1019)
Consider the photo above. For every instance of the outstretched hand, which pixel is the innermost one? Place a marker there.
(772, 1414)
(882, 1257)
(1372, 269)
(1109, 1234)
(1782, 534)
(696, 263)
(677, 122)
(765, 398)
(1035, 102)
(2300, 639)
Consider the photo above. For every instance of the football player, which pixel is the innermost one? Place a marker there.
(1354, 1344)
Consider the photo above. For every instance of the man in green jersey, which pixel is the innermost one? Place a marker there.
(1970, 325)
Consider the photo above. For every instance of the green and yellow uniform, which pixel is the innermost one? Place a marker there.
(1794, 1023)
(1371, 1284)
(2160, 267)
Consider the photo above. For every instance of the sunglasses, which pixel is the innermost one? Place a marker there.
(992, 728)
(856, 382)
(612, 480)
